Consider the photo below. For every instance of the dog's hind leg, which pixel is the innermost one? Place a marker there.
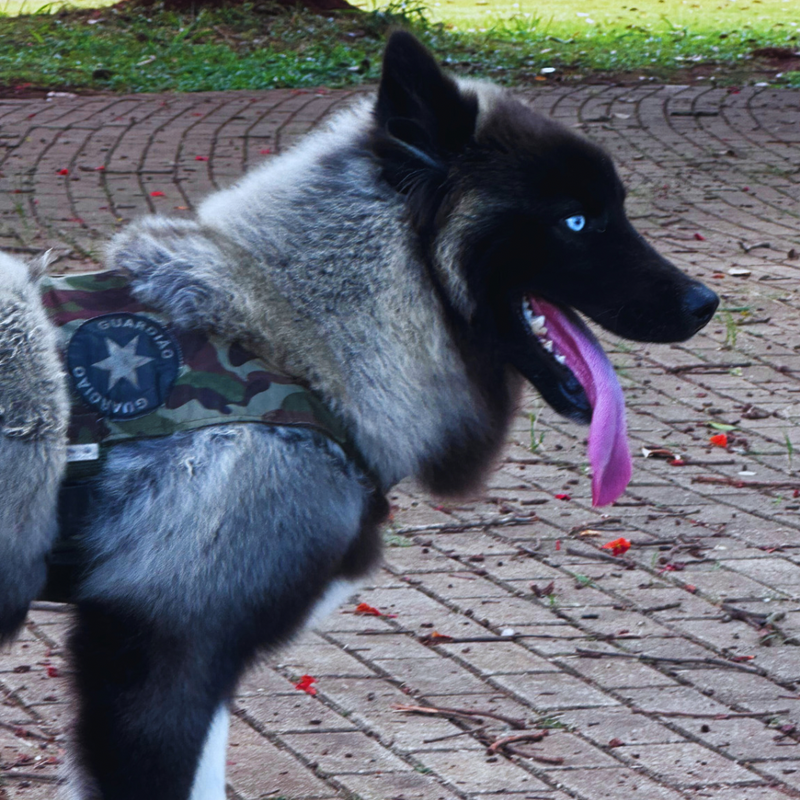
(33, 421)
(209, 779)
(208, 548)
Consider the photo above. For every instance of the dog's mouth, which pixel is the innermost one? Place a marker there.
(575, 377)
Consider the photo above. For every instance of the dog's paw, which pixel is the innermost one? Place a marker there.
(175, 266)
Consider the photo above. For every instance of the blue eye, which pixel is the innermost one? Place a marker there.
(576, 223)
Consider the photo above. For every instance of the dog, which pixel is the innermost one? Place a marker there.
(410, 266)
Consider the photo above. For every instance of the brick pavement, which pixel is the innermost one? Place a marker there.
(673, 673)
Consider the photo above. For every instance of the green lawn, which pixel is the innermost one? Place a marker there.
(254, 46)
(575, 15)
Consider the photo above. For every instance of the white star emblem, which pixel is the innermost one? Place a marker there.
(122, 362)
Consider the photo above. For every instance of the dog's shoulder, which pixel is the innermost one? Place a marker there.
(316, 259)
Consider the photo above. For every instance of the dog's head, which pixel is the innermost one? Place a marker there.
(522, 222)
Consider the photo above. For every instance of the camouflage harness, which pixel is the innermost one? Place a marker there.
(133, 375)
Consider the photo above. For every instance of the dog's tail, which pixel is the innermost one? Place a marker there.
(34, 411)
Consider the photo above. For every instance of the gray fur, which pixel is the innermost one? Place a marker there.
(189, 528)
(33, 419)
(311, 260)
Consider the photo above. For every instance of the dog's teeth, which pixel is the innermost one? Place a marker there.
(527, 312)
(561, 360)
(537, 324)
(548, 345)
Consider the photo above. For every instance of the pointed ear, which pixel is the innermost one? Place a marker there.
(421, 116)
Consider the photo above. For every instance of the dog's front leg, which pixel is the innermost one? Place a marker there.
(152, 720)
(33, 421)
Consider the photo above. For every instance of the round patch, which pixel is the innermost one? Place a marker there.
(123, 365)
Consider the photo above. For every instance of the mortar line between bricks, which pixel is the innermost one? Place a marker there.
(504, 690)
(217, 133)
(748, 105)
(674, 726)
(247, 136)
(720, 104)
(288, 120)
(123, 131)
(150, 142)
(682, 680)
(68, 189)
(721, 197)
(32, 174)
(648, 130)
(565, 99)
(275, 738)
(548, 777)
(185, 133)
(518, 761)
(49, 225)
(734, 131)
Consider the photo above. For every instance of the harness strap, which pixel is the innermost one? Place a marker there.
(133, 375)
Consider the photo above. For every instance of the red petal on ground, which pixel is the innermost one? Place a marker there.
(157, 194)
(366, 610)
(63, 171)
(618, 546)
(562, 497)
(719, 439)
(305, 684)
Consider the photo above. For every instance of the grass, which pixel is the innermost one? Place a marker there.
(256, 45)
(731, 330)
(537, 436)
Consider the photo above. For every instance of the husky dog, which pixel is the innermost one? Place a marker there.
(411, 264)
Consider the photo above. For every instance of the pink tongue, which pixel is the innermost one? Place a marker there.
(608, 444)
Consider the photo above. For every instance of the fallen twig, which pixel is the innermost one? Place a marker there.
(750, 617)
(724, 715)
(710, 662)
(554, 760)
(748, 247)
(533, 736)
(624, 562)
(596, 523)
(724, 480)
(467, 713)
(443, 638)
(663, 607)
(683, 368)
(25, 733)
(493, 522)
(481, 729)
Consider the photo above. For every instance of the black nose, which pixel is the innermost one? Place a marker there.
(700, 303)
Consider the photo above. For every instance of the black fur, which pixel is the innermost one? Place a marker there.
(532, 173)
